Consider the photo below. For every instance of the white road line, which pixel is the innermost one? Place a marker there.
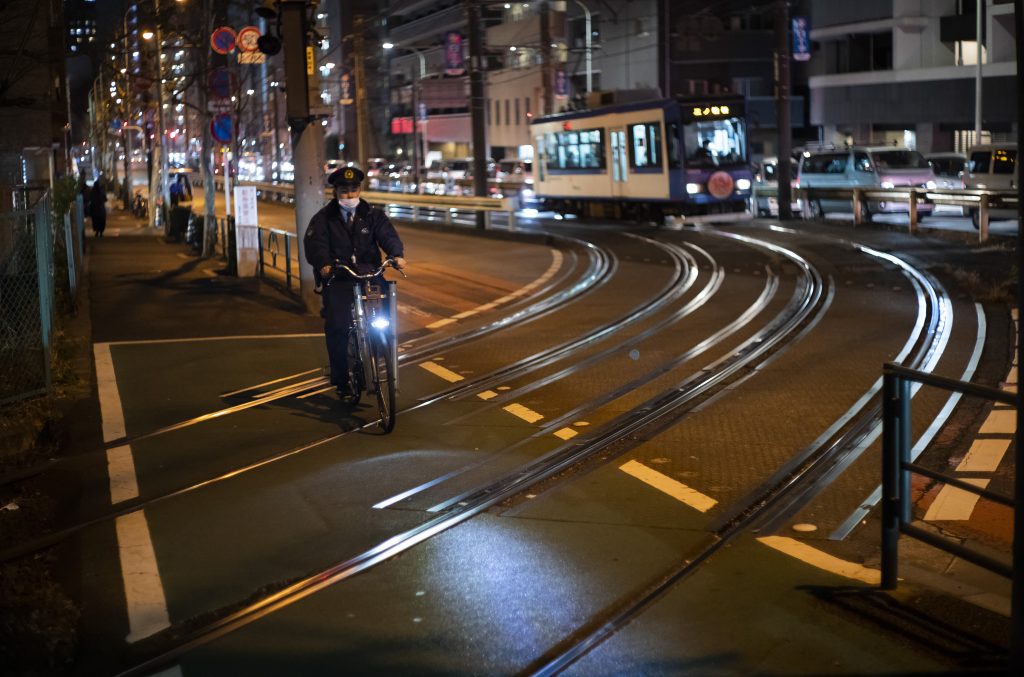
(247, 337)
(953, 503)
(984, 455)
(666, 484)
(121, 470)
(110, 400)
(445, 373)
(822, 560)
(143, 590)
(528, 415)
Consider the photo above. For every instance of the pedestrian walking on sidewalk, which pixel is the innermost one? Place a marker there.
(98, 206)
(351, 231)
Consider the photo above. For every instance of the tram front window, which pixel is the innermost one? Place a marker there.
(715, 143)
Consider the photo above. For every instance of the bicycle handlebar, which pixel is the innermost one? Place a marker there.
(338, 265)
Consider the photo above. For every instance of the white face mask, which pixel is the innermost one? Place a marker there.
(348, 202)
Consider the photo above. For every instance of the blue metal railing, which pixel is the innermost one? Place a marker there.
(897, 468)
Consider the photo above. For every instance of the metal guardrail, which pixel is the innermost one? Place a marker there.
(432, 206)
(982, 200)
(279, 251)
(897, 468)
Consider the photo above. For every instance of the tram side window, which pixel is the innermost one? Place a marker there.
(673, 145)
(645, 145)
(575, 150)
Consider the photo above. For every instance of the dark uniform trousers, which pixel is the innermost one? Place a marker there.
(337, 299)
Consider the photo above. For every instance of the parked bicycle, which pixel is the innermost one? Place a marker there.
(373, 340)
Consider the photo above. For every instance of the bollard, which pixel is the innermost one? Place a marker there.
(890, 483)
(858, 207)
(983, 219)
(913, 213)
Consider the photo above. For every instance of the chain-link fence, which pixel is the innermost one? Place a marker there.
(30, 240)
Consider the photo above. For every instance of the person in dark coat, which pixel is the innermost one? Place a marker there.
(351, 231)
(98, 206)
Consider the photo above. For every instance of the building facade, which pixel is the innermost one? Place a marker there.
(904, 71)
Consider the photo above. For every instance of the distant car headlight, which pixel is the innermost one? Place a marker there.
(380, 323)
(742, 184)
(930, 185)
(694, 188)
(888, 184)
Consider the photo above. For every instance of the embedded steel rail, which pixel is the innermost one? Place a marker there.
(623, 430)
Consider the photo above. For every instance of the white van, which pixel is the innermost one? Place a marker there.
(992, 166)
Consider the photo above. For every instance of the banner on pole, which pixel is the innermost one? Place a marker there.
(801, 29)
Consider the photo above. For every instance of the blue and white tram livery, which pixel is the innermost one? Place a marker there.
(644, 160)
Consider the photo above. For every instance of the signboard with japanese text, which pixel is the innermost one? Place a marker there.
(801, 38)
(454, 60)
(245, 206)
(561, 85)
(347, 87)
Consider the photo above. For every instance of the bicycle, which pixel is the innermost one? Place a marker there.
(373, 341)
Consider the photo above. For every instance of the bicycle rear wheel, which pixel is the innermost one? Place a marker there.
(383, 374)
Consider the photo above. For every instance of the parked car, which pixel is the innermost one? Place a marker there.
(949, 168)
(766, 176)
(992, 166)
(373, 169)
(864, 167)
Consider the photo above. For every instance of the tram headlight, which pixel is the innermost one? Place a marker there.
(694, 188)
(888, 184)
(381, 323)
(742, 184)
(930, 185)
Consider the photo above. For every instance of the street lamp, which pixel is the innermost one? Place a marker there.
(418, 135)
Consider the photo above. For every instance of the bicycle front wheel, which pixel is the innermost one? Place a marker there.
(383, 370)
(355, 369)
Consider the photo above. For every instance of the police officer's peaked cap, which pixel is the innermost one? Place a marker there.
(346, 177)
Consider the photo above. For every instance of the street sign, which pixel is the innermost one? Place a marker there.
(222, 127)
(252, 57)
(222, 83)
(347, 87)
(245, 206)
(454, 61)
(801, 38)
(248, 38)
(222, 40)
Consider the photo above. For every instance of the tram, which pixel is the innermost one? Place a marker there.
(644, 160)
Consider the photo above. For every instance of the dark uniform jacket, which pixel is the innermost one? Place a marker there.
(328, 238)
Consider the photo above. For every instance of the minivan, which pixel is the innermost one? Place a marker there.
(864, 167)
(992, 166)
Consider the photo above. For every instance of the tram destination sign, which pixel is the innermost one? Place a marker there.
(713, 110)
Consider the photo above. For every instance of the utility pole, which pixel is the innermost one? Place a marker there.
(664, 49)
(782, 49)
(546, 64)
(1017, 589)
(476, 106)
(978, 32)
(362, 106)
(307, 136)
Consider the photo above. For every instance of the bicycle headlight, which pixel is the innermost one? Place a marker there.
(380, 323)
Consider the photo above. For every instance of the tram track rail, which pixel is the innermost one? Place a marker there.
(623, 432)
(602, 266)
(780, 497)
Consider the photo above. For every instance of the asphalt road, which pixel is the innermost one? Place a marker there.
(517, 354)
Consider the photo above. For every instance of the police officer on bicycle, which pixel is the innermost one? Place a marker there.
(350, 231)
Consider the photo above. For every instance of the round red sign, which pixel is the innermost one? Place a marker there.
(720, 185)
(222, 40)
